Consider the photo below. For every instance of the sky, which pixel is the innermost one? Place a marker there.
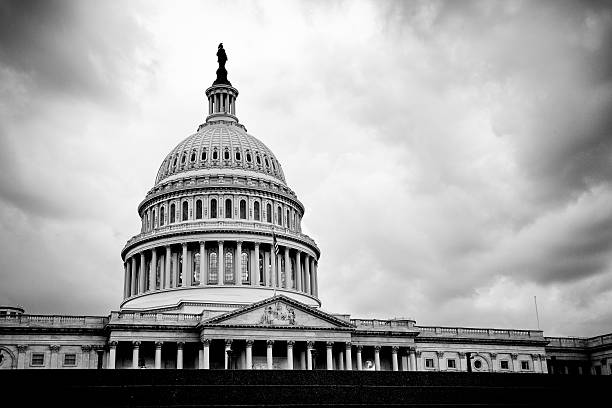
(454, 158)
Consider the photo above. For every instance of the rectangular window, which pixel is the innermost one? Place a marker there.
(69, 359)
(450, 363)
(429, 363)
(38, 359)
(524, 365)
(503, 364)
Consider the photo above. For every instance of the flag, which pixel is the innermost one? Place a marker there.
(275, 243)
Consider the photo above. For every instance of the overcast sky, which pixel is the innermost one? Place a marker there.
(454, 158)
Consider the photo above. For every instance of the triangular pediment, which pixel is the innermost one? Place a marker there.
(278, 311)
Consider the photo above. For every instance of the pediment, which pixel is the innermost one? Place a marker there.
(278, 311)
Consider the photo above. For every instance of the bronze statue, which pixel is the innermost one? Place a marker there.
(221, 71)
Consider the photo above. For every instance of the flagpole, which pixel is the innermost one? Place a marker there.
(535, 301)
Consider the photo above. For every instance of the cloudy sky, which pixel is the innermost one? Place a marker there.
(454, 158)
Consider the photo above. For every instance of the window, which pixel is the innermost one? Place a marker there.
(215, 155)
(279, 216)
(213, 268)
(38, 359)
(503, 364)
(243, 210)
(69, 359)
(154, 219)
(213, 208)
(248, 157)
(273, 164)
(258, 159)
(244, 267)
(267, 162)
(477, 364)
(229, 267)
(429, 363)
(203, 157)
(226, 155)
(199, 209)
(172, 213)
(256, 211)
(238, 156)
(228, 208)
(193, 157)
(268, 213)
(260, 266)
(288, 219)
(451, 363)
(195, 267)
(184, 158)
(185, 210)
(162, 214)
(524, 365)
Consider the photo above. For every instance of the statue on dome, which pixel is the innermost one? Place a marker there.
(221, 71)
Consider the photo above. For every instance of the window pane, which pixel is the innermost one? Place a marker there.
(213, 208)
(199, 209)
(185, 210)
(243, 209)
(256, 211)
(229, 267)
(244, 267)
(228, 208)
(213, 268)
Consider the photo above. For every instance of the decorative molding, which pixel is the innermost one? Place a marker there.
(21, 348)
(206, 342)
(269, 343)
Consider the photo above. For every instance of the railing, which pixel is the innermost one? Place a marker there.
(580, 342)
(477, 332)
(376, 324)
(229, 224)
(150, 317)
(30, 320)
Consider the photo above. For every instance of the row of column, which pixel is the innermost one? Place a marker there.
(264, 268)
(221, 102)
(345, 360)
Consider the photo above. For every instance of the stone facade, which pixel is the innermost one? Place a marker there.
(222, 277)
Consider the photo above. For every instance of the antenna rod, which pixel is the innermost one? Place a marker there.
(535, 300)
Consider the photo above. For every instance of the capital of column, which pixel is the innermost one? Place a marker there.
(514, 356)
(21, 348)
(359, 348)
(329, 344)
(180, 344)
(86, 348)
(394, 349)
(348, 345)
(493, 355)
(290, 343)
(440, 354)
(418, 353)
(249, 343)
(220, 242)
(256, 244)
(377, 348)
(536, 357)
(54, 347)
(310, 344)
(158, 344)
(167, 246)
(113, 344)
(269, 343)
(228, 342)
(239, 242)
(461, 355)
(136, 344)
(184, 244)
(206, 342)
(543, 356)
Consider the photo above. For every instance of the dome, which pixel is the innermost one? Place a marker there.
(220, 145)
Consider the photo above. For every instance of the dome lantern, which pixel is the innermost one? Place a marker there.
(222, 95)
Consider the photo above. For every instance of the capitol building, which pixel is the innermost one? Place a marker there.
(221, 276)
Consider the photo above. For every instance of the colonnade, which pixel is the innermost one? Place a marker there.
(242, 263)
(304, 355)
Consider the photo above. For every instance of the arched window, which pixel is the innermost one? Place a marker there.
(172, 213)
(258, 159)
(213, 208)
(162, 215)
(185, 210)
(229, 267)
(279, 215)
(244, 267)
(154, 218)
(226, 155)
(215, 155)
(175, 161)
(273, 164)
(248, 157)
(238, 156)
(228, 208)
(213, 268)
(243, 210)
(267, 162)
(199, 209)
(256, 211)
(193, 157)
(268, 213)
(184, 158)
(203, 157)
(288, 220)
(260, 267)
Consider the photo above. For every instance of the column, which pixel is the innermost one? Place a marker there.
(298, 271)
(439, 354)
(307, 273)
(203, 264)
(238, 264)
(303, 360)
(153, 270)
(168, 259)
(175, 270)
(329, 346)
(309, 347)
(206, 353)
(135, 353)
(290, 345)
(288, 282)
(112, 354)
(210, 105)
(543, 363)
(494, 362)
(405, 360)
(249, 355)
(158, 346)
(228, 352)
(185, 269)
(200, 359)
(220, 263)
(377, 358)
(84, 356)
(394, 363)
(349, 357)
(142, 274)
(419, 360)
(134, 275)
(179, 355)
(126, 279)
(514, 363)
(162, 271)
(266, 270)
(341, 360)
(359, 360)
(413, 363)
(21, 356)
(462, 362)
(314, 283)
(269, 343)
(255, 271)
(128, 289)
(273, 259)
